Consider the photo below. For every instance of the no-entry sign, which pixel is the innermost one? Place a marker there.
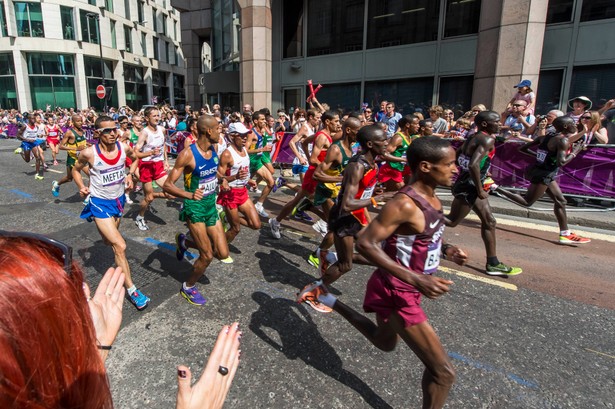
(101, 92)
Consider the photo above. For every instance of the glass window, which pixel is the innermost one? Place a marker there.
(127, 9)
(144, 44)
(50, 64)
(128, 38)
(334, 26)
(179, 93)
(154, 22)
(111, 98)
(462, 17)
(160, 90)
(174, 30)
(456, 94)
(89, 29)
(397, 22)
(2, 20)
(164, 24)
(548, 94)
(597, 82)
(156, 49)
(68, 24)
(340, 96)
(8, 92)
(109, 5)
(167, 52)
(29, 19)
(292, 29)
(52, 80)
(225, 23)
(140, 12)
(559, 11)
(113, 35)
(6, 64)
(92, 2)
(408, 95)
(597, 10)
(92, 67)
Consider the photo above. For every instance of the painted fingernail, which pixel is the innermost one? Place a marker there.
(181, 373)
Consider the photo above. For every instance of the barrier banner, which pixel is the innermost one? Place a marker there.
(282, 152)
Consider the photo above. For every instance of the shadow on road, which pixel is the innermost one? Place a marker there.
(300, 339)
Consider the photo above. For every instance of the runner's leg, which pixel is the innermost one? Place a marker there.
(108, 229)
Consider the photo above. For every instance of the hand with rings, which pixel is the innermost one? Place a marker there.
(106, 305)
(211, 390)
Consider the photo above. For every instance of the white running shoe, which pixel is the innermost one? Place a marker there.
(321, 227)
(128, 199)
(274, 225)
(260, 209)
(140, 222)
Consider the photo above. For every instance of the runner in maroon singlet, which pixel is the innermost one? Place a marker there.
(411, 227)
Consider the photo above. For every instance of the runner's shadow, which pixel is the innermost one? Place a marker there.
(300, 339)
(278, 268)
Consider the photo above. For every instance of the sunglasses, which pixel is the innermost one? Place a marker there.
(123, 122)
(586, 117)
(106, 131)
(67, 251)
(518, 105)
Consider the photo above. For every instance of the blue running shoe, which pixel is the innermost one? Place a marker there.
(192, 295)
(279, 182)
(139, 300)
(55, 189)
(304, 216)
(180, 243)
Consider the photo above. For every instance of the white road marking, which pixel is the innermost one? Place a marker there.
(485, 280)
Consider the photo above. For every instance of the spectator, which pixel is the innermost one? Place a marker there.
(440, 126)
(579, 105)
(596, 133)
(299, 118)
(390, 119)
(460, 130)
(425, 127)
(283, 122)
(525, 93)
(449, 117)
(368, 116)
(608, 110)
(543, 124)
(382, 113)
(518, 121)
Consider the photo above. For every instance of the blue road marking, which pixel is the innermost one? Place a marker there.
(490, 368)
(168, 246)
(20, 193)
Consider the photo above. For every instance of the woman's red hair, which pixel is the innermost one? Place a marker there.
(48, 352)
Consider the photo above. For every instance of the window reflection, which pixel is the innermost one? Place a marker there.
(334, 26)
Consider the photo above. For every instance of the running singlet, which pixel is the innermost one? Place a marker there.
(155, 139)
(337, 171)
(258, 143)
(53, 133)
(134, 138)
(80, 142)
(107, 175)
(365, 189)
(31, 134)
(239, 163)
(400, 152)
(419, 253)
(296, 160)
(546, 159)
(464, 164)
(205, 173)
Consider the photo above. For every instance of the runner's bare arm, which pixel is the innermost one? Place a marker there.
(525, 149)
(334, 156)
(66, 139)
(184, 159)
(563, 158)
(82, 161)
(482, 149)
(352, 177)
(319, 145)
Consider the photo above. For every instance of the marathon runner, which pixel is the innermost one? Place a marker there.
(53, 133)
(395, 172)
(31, 139)
(73, 142)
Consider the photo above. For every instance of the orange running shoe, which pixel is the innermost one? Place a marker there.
(572, 238)
(310, 294)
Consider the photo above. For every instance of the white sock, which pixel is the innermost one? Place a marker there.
(564, 233)
(186, 287)
(317, 252)
(327, 299)
(131, 289)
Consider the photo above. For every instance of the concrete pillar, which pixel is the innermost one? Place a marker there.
(255, 65)
(510, 41)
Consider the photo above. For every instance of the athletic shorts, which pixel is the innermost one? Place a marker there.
(345, 226)
(309, 183)
(382, 299)
(464, 190)
(256, 162)
(70, 161)
(386, 173)
(300, 169)
(53, 141)
(322, 194)
(150, 171)
(266, 157)
(537, 175)
(103, 208)
(200, 211)
(29, 145)
(232, 199)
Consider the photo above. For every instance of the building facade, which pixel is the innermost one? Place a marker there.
(50, 54)
(415, 52)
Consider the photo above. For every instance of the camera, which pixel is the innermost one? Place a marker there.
(540, 118)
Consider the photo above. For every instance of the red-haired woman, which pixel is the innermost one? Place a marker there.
(54, 342)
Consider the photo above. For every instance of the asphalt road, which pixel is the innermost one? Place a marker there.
(543, 339)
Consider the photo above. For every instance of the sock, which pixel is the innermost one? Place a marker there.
(131, 289)
(317, 252)
(564, 233)
(327, 299)
(493, 261)
(186, 287)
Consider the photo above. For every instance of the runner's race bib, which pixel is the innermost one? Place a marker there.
(541, 155)
(367, 193)
(432, 260)
(209, 186)
(464, 162)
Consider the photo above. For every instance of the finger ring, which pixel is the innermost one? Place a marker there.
(223, 370)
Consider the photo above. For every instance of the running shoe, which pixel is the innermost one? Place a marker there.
(309, 295)
(279, 182)
(180, 244)
(321, 227)
(138, 188)
(228, 260)
(55, 163)
(128, 199)
(489, 185)
(140, 222)
(274, 225)
(301, 215)
(139, 299)
(313, 260)
(502, 270)
(39, 177)
(193, 295)
(222, 217)
(260, 209)
(255, 189)
(18, 151)
(572, 238)
(55, 189)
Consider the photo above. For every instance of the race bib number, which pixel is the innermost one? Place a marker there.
(432, 260)
(367, 193)
(541, 155)
(464, 162)
(208, 186)
(113, 176)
